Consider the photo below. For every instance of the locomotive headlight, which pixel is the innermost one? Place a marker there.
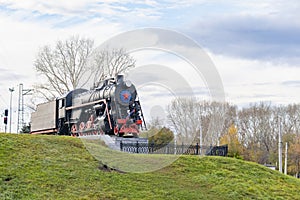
(99, 106)
(128, 83)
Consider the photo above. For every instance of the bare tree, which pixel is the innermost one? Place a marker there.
(109, 63)
(74, 63)
(62, 66)
(292, 119)
(257, 126)
(186, 115)
(183, 117)
(258, 131)
(217, 116)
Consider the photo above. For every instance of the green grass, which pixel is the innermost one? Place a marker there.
(57, 167)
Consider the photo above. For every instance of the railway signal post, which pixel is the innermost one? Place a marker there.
(5, 118)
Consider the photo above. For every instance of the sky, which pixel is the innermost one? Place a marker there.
(254, 45)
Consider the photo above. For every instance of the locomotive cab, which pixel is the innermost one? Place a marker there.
(64, 104)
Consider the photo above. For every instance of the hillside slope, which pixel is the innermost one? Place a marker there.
(56, 167)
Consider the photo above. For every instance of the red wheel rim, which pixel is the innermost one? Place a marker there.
(74, 130)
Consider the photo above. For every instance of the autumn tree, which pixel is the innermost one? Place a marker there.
(231, 138)
(294, 157)
(154, 125)
(257, 127)
(162, 136)
(258, 131)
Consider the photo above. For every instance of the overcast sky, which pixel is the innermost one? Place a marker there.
(253, 44)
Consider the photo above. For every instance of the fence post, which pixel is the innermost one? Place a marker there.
(175, 149)
(197, 148)
(167, 152)
(137, 147)
(152, 147)
(182, 148)
(121, 145)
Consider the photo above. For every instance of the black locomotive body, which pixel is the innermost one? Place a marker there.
(111, 108)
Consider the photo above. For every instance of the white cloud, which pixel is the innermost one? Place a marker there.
(248, 81)
(273, 39)
(48, 7)
(129, 12)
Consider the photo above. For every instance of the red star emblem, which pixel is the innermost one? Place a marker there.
(125, 95)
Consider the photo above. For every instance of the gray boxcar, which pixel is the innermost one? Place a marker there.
(44, 119)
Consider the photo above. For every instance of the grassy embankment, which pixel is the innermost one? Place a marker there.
(55, 167)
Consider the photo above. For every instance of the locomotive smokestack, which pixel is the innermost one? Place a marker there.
(120, 78)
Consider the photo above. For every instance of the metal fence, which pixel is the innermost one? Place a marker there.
(146, 148)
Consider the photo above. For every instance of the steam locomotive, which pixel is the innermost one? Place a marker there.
(110, 108)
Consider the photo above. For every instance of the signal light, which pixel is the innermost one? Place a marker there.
(5, 119)
(6, 112)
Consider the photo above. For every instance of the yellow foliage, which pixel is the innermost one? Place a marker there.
(231, 138)
(294, 155)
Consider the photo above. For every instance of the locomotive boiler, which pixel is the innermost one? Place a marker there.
(111, 108)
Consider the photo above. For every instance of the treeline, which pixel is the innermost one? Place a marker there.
(251, 132)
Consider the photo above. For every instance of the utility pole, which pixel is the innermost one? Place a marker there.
(22, 93)
(285, 158)
(200, 137)
(10, 110)
(279, 146)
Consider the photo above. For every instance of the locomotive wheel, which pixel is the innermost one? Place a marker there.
(81, 128)
(74, 130)
(91, 118)
(93, 129)
(95, 132)
(89, 127)
(100, 132)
